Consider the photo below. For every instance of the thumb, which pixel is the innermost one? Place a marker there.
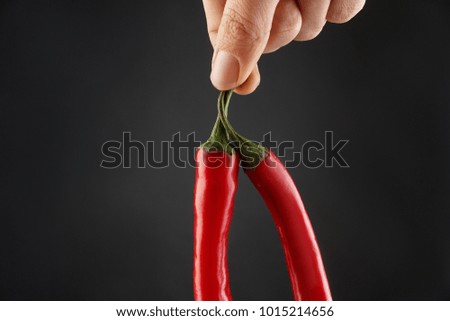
(242, 36)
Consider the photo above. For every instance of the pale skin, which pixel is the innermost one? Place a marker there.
(242, 30)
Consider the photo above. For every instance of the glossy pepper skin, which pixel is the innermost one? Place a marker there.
(306, 271)
(214, 191)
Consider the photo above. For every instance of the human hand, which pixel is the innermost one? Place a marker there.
(242, 30)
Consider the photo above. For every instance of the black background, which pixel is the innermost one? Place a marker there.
(75, 74)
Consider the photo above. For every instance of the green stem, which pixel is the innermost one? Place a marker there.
(250, 152)
(218, 140)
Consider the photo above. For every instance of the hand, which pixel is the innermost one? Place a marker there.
(242, 30)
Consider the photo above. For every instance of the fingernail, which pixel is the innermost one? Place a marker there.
(225, 71)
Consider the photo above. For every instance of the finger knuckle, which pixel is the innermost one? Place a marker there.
(291, 24)
(242, 30)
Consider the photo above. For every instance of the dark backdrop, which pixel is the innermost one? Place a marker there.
(75, 74)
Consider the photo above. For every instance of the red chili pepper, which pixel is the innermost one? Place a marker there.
(272, 180)
(215, 187)
(306, 271)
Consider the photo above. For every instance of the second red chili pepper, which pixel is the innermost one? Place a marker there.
(272, 180)
(306, 271)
